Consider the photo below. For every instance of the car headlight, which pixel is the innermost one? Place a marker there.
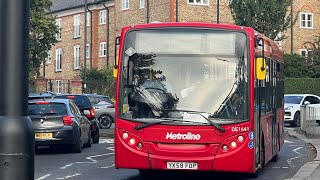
(288, 108)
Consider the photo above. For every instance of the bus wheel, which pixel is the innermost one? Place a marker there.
(276, 157)
(146, 173)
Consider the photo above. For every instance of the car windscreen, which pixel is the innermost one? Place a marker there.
(47, 108)
(81, 101)
(293, 99)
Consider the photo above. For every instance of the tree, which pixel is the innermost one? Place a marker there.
(100, 81)
(313, 58)
(295, 66)
(269, 17)
(41, 36)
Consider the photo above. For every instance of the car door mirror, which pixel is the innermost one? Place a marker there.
(86, 112)
(306, 103)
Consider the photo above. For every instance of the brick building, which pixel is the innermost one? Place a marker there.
(62, 68)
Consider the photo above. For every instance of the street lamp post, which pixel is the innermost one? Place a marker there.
(16, 129)
(218, 11)
(84, 78)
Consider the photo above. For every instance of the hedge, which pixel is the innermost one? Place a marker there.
(302, 86)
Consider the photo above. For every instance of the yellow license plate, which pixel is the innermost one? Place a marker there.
(43, 135)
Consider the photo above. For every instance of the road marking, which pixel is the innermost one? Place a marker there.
(106, 167)
(90, 158)
(296, 151)
(280, 167)
(68, 165)
(106, 141)
(44, 177)
(70, 176)
(288, 142)
(110, 148)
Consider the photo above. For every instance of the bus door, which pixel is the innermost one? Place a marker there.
(273, 81)
(257, 122)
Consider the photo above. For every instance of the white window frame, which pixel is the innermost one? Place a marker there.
(58, 86)
(59, 25)
(88, 51)
(49, 57)
(88, 18)
(306, 52)
(306, 20)
(76, 57)
(103, 17)
(196, 3)
(103, 49)
(76, 26)
(125, 4)
(142, 3)
(58, 60)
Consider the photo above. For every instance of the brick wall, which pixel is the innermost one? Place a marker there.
(303, 35)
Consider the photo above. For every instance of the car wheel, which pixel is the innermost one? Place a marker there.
(96, 136)
(296, 119)
(105, 121)
(77, 147)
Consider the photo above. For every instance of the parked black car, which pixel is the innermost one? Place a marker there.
(83, 102)
(59, 122)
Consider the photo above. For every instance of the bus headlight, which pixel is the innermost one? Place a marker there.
(132, 141)
(233, 144)
(240, 138)
(224, 147)
(125, 135)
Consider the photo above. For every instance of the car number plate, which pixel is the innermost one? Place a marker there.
(182, 165)
(43, 135)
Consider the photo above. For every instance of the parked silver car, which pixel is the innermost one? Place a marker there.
(105, 113)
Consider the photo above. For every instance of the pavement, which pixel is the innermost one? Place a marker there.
(311, 170)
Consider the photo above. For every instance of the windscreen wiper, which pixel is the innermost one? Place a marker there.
(138, 127)
(197, 112)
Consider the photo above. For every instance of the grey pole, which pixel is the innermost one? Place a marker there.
(291, 28)
(107, 32)
(90, 39)
(148, 11)
(218, 11)
(16, 131)
(177, 11)
(84, 78)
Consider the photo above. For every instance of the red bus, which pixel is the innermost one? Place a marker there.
(198, 97)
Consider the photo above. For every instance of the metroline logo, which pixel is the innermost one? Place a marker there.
(187, 136)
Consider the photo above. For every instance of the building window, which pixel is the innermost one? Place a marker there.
(103, 17)
(304, 52)
(88, 51)
(59, 25)
(199, 2)
(142, 2)
(76, 57)
(125, 4)
(58, 86)
(103, 49)
(58, 59)
(306, 20)
(49, 57)
(88, 18)
(76, 26)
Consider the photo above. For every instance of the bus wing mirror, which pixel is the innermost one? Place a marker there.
(261, 68)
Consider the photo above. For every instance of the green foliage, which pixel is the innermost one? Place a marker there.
(302, 86)
(295, 66)
(269, 17)
(100, 81)
(42, 34)
(314, 58)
